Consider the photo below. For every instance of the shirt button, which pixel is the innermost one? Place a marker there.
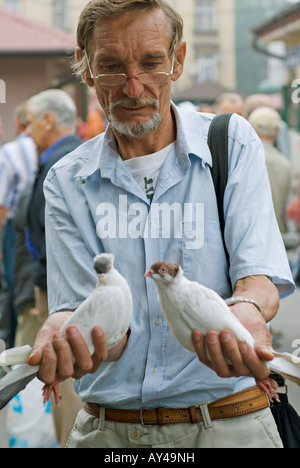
(155, 370)
(158, 321)
(135, 434)
(83, 181)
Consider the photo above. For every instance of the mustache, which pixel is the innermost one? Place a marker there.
(133, 102)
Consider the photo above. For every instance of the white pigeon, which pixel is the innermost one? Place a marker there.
(188, 306)
(109, 305)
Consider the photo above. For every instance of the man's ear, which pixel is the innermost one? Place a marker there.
(180, 53)
(86, 75)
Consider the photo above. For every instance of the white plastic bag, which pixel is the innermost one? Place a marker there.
(30, 423)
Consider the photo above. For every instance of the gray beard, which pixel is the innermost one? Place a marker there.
(134, 129)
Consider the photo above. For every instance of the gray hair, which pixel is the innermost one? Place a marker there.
(20, 113)
(98, 10)
(58, 103)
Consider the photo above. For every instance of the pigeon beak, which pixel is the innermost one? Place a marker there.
(149, 274)
(101, 277)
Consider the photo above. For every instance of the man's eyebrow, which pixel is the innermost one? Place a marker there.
(154, 55)
(110, 58)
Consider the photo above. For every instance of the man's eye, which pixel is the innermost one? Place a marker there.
(151, 65)
(111, 68)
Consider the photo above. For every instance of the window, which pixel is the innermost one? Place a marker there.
(206, 16)
(60, 14)
(13, 5)
(205, 67)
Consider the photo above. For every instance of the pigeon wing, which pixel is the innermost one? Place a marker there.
(15, 381)
(106, 307)
(206, 310)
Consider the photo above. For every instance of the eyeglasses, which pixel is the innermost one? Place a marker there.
(118, 79)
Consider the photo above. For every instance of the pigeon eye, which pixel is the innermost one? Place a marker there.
(163, 270)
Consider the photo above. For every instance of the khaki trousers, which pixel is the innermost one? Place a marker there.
(253, 430)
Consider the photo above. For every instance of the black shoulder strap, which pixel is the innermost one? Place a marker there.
(218, 143)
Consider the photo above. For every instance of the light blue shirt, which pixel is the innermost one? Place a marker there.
(18, 166)
(93, 204)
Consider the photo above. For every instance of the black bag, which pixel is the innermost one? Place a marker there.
(286, 418)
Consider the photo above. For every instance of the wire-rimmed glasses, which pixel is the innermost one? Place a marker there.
(118, 79)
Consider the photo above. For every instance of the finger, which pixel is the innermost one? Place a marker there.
(47, 371)
(257, 367)
(198, 340)
(218, 360)
(264, 353)
(98, 357)
(231, 349)
(80, 350)
(44, 336)
(65, 368)
(100, 352)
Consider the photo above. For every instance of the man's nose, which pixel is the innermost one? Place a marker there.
(132, 87)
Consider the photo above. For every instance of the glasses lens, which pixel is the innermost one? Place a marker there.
(153, 78)
(145, 78)
(112, 80)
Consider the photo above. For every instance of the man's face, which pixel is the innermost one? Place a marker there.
(123, 45)
(38, 130)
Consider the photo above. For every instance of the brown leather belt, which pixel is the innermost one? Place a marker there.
(237, 404)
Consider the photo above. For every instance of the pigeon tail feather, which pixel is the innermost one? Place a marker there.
(14, 356)
(15, 381)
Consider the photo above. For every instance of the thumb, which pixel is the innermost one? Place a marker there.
(35, 356)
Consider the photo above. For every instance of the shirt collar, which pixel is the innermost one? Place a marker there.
(102, 152)
(192, 129)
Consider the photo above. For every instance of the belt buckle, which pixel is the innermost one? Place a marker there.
(282, 389)
(142, 416)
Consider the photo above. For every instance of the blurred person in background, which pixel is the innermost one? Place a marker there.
(266, 122)
(52, 117)
(18, 165)
(230, 102)
(293, 214)
(282, 141)
(95, 123)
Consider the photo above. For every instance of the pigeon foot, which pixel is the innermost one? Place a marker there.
(47, 389)
(269, 387)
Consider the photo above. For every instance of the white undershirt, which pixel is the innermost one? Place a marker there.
(146, 169)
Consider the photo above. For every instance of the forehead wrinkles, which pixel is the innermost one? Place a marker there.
(120, 34)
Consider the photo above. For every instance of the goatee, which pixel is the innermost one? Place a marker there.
(134, 129)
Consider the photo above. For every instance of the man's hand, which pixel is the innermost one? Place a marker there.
(67, 356)
(213, 348)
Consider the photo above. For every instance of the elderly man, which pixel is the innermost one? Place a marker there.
(230, 102)
(152, 156)
(267, 122)
(52, 118)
